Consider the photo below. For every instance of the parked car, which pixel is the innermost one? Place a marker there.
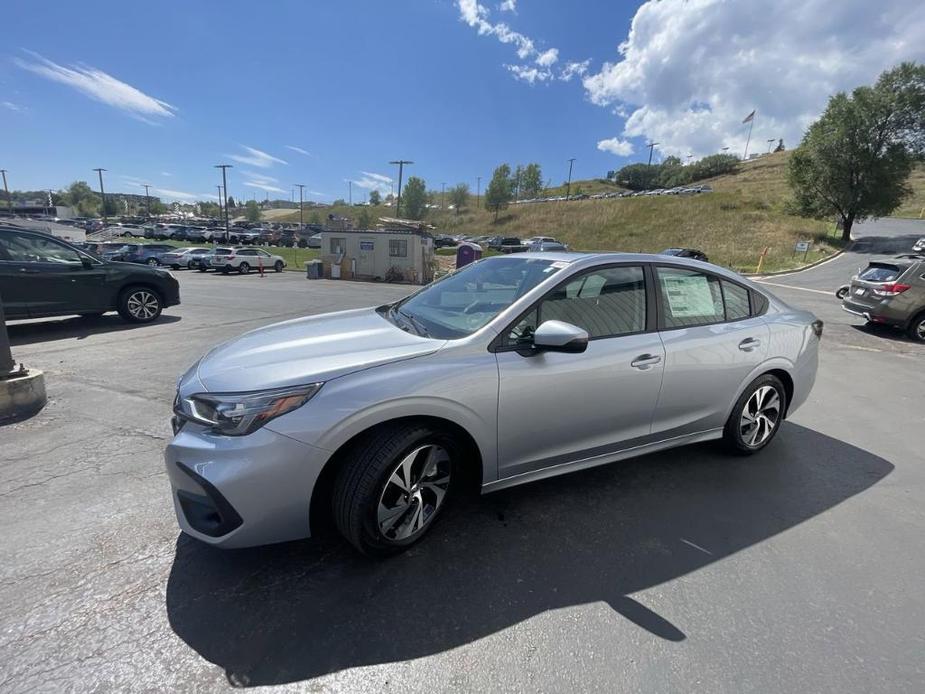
(196, 235)
(919, 246)
(246, 259)
(546, 247)
(511, 244)
(132, 230)
(41, 276)
(314, 241)
(205, 260)
(442, 241)
(692, 253)
(145, 253)
(183, 257)
(364, 414)
(892, 293)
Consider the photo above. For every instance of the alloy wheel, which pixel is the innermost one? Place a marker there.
(920, 330)
(760, 416)
(142, 305)
(414, 492)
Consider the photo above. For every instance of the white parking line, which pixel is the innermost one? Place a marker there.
(802, 289)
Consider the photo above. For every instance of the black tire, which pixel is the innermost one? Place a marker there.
(152, 262)
(733, 437)
(140, 304)
(841, 293)
(278, 266)
(244, 268)
(917, 328)
(203, 268)
(364, 479)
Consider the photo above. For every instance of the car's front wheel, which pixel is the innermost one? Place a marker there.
(278, 266)
(244, 268)
(756, 416)
(140, 305)
(393, 487)
(152, 261)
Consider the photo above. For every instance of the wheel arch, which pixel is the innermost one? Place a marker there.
(321, 520)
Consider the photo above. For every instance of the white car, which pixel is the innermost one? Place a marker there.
(919, 246)
(246, 259)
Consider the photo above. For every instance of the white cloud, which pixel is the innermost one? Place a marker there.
(374, 181)
(13, 107)
(100, 86)
(262, 181)
(547, 58)
(691, 70)
(269, 187)
(539, 69)
(166, 173)
(508, 6)
(256, 157)
(299, 150)
(180, 195)
(622, 148)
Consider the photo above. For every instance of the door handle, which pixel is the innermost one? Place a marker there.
(749, 343)
(29, 270)
(644, 361)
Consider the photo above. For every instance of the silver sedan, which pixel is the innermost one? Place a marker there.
(512, 369)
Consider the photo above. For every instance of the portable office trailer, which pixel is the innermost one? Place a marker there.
(395, 255)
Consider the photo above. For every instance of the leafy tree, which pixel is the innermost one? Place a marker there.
(230, 202)
(252, 211)
(363, 219)
(210, 209)
(414, 198)
(500, 190)
(314, 218)
(157, 207)
(459, 196)
(374, 197)
(339, 202)
(113, 206)
(517, 181)
(531, 180)
(854, 162)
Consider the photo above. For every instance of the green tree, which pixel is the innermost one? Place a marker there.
(854, 162)
(252, 211)
(210, 209)
(157, 207)
(414, 198)
(314, 218)
(517, 181)
(340, 202)
(364, 221)
(532, 181)
(230, 202)
(499, 192)
(374, 197)
(459, 196)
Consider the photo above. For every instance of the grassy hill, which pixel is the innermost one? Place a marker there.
(744, 215)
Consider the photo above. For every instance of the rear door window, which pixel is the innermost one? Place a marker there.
(737, 301)
(689, 298)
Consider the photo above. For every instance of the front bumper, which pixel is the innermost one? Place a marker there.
(242, 491)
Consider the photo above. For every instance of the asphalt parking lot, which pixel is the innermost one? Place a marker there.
(796, 570)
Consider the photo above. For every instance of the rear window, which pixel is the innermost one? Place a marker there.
(881, 272)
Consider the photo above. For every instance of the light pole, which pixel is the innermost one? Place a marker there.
(724, 149)
(568, 186)
(224, 194)
(769, 144)
(350, 193)
(300, 187)
(147, 200)
(401, 167)
(103, 196)
(443, 195)
(689, 157)
(221, 212)
(9, 200)
(478, 191)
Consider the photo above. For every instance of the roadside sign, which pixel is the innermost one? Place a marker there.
(801, 246)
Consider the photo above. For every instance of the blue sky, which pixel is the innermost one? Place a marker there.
(159, 92)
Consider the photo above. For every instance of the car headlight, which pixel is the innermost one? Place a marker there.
(239, 414)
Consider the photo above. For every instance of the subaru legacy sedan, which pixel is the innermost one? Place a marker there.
(512, 369)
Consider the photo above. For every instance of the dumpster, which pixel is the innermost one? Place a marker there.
(467, 253)
(314, 269)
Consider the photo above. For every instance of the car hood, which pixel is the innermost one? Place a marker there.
(307, 350)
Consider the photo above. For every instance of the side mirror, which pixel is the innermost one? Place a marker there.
(86, 262)
(558, 336)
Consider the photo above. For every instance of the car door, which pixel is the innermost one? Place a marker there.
(554, 407)
(713, 340)
(52, 276)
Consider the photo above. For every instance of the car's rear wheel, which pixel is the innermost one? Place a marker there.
(917, 327)
(153, 261)
(140, 305)
(756, 416)
(244, 268)
(278, 266)
(394, 486)
(203, 268)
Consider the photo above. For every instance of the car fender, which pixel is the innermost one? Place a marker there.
(771, 364)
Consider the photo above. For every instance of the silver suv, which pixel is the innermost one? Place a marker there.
(512, 369)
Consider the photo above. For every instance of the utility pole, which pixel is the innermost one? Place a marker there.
(769, 144)
(401, 167)
(300, 187)
(221, 213)
(651, 147)
(224, 193)
(9, 199)
(350, 193)
(443, 195)
(568, 186)
(147, 201)
(103, 196)
(478, 191)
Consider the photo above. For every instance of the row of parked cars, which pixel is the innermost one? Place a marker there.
(237, 235)
(241, 259)
(678, 190)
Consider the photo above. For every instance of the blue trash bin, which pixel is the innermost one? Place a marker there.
(467, 253)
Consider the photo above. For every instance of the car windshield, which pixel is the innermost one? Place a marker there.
(465, 301)
(672, 251)
(881, 272)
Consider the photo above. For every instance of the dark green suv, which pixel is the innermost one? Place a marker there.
(891, 292)
(41, 276)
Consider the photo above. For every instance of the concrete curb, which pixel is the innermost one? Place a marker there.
(799, 269)
(22, 396)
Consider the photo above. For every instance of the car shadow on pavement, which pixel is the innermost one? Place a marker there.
(295, 611)
(76, 327)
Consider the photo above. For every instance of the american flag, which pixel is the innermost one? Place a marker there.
(750, 117)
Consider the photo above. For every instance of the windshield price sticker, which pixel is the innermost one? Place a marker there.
(688, 296)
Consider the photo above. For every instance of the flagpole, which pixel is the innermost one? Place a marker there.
(751, 124)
